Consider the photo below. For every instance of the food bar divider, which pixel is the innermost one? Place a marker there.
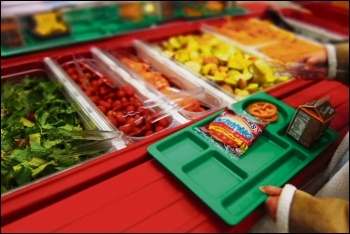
(57, 73)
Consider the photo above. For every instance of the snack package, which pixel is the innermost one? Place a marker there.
(232, 131)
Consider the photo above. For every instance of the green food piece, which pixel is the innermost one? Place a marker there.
(28, 146)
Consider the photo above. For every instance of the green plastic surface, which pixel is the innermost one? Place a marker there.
(85, 25)
(229, 184)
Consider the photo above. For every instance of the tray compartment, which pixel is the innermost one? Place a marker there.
(214, 173)
(265, 149)
(328, 136)
(186, 142)
(248, 194)
(284, 115)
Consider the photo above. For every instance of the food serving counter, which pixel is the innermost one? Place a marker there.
(127, 190)
(148, 198)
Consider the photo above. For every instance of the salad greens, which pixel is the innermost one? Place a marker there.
(35, 118)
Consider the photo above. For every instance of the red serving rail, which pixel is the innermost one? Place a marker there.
(148, 198)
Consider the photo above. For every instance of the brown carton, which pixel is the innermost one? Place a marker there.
(311, 121)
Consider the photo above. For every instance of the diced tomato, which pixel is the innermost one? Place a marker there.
(31, 116)
(113, 120)
(149, 132)
(102, 108)
(127, 128)
(22, 142)
(159, 128)
(163, 122)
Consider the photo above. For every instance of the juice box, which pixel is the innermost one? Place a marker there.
(311, 121)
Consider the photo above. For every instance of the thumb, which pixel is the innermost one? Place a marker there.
(310, 63)
(271, 190)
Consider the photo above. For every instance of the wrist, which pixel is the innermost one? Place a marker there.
(332, 61)
(283, 208)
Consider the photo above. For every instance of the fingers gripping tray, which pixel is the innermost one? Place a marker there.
(229, 184)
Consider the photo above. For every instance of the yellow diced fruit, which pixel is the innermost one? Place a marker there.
(166, 45)
(282, 79)
(168, 53)
(192, 45)
(220, 75)
(212, 41)
(246, 75)
(181, 56)
(194, 54)
(222, 55)
(231, 81)
(206, 50)
(239, 55)
(258, 78)
(269, 78)
(234, 64)
(208, 67)
(174, 43)
(245, 63)
(263, 67)
(255, 71)
(194, 66)
(198, 59)
(252, 87)
(223, 68)
(241, 92)
(182, 39)
(234, 73)
(215, 78)
(267, 85)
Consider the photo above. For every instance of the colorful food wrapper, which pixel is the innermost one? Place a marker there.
(232, 131)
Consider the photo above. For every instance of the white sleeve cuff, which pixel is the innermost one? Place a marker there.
(283, 208)
(332, 60)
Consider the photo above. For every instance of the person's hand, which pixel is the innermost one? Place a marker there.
(314, 66)
(318, 58)
(272, 201)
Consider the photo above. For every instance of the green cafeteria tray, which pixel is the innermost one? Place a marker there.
(229, 184)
